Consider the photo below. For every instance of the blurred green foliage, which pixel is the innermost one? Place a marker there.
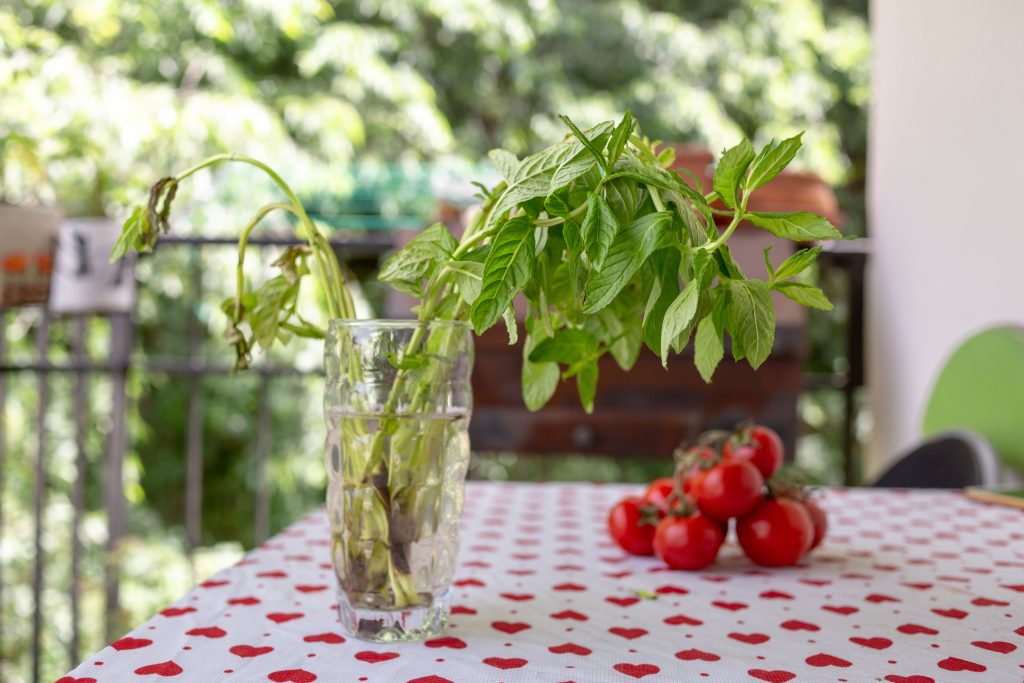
(100, 97)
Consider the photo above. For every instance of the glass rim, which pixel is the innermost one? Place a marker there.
(396, 322)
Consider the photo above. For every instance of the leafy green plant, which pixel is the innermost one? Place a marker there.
(612, 251)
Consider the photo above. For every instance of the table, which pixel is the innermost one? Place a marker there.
(909, 587)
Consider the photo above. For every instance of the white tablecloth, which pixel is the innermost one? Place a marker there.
(908, 587)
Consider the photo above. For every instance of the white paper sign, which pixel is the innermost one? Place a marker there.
(84, 280)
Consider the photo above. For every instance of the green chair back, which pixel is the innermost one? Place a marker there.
(981, 388)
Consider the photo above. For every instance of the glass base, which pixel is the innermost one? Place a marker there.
(395, 625)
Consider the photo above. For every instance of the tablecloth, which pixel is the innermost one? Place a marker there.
(908, 587)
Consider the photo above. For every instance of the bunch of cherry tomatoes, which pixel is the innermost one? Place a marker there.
(684, 519)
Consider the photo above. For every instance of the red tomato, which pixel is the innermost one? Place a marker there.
(764, 450)
(777, 533)
(820, 521)
(630, 529)
(729, 489)
(658, 493)
(696, 473)
(688, 542)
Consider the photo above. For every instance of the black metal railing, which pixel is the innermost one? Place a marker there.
(116, 367)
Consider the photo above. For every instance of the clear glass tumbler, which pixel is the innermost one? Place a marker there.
(397, 400)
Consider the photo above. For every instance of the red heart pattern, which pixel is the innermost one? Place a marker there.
(371, 657)
(773, 676)
(207, 632)
(248, 651)
(677, 619)
(622, 602)
(129, 643)
(540, 576)
(506, 663)
(282, 617)
(636, 670)
(1000, 646)
(822, 659)
(166, 669)
(957, 664)
(697, 655)
(510, 627)
(873, 643)
(329, 638)
(244, 601)
(448, 641)
(628, 633)
(292, 676)
(570, 649)
(798, 625)
(845, 610)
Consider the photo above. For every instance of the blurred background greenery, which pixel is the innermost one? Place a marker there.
(100, 97)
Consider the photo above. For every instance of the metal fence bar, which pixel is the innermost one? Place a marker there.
(3, 459)
(363, 245)
(78, 353)
(114, 501)
(39, 496)
(197, 368)
(855, 370)
(194, 421)
(261, 516)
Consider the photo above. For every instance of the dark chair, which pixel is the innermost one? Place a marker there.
(950, 460)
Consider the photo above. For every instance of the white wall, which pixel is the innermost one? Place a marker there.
(945, 194)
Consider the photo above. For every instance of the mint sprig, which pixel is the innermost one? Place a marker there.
(613, 250)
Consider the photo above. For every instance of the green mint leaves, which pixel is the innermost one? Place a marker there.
(731, 169)
(507, 269)
(612, 251)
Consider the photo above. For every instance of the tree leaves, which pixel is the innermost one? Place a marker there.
(628, 251)
(730, 171)
(598, 229)
(508, 267)
(770, 161)
(751, 319)
(799, 226)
